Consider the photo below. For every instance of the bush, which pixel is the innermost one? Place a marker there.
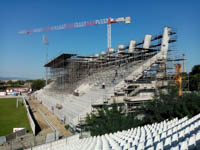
(169, 106)
(67, 127)
(37, 84)
(195, 78)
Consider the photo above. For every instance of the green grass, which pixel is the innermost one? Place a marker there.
(12, 117)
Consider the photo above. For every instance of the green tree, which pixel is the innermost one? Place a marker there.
(37, 84)
(20, 82)
(110, 119)
(107, 120)
(10, 83)
(165, 105)
(169, 105)
(185, 81)
(195, 70)
(2, 83)
(194, 80)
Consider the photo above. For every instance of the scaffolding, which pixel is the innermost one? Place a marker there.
(129, 75)
(69, 71)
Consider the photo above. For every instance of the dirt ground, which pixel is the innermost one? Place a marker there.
(45, 128)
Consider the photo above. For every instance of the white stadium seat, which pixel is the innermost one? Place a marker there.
(176, 137)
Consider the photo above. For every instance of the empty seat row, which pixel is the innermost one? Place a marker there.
(179, 134)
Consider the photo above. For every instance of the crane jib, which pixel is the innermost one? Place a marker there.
(68, 26)
(127, 20)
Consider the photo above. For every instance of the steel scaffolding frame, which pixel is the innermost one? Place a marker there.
(68, 70)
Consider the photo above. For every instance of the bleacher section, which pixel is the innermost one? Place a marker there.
(114, 77)
(76, 106)
(90, 91)
(176, 134)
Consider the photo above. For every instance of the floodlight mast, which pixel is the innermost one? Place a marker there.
(107, 21)
(46, 42)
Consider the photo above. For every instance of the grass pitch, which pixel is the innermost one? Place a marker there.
(12, 117)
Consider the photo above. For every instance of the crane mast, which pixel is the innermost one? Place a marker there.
(107, 21)
(109, 36)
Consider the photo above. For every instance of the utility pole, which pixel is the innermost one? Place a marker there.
(184, 67)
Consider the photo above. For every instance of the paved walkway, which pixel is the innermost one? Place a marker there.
(35, 104)
(45, 128)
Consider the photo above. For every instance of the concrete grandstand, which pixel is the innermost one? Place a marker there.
(82, 83)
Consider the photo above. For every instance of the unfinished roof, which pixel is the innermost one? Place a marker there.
(58, 59)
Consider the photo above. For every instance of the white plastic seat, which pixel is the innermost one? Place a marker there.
(105, 143)
(192, 128)
(196, 125)
(163, 135)
(181, 135)
(167, 142)
(127, 146)
(140, 146)
(148, 135)
(191, 143)
(187, 131)
(135, 142)
(174, 139)
(122, 142)
(149, 142)
(198, 140)
(98, 144)
(159, 146)
(154, 133)
(179, 127)
(93, 144)
(156, 139)
(174, 130)
(142, 139)
(184, 145)
(169, 132)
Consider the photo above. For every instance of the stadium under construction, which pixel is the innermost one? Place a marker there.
(128, 76)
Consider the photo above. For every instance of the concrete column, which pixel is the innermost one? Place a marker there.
(165, 42)
(147, 41)
(132, 46)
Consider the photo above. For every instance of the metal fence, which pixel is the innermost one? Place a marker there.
(12, 136)
(2, 140)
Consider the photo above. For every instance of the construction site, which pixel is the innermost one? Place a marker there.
(128, 75)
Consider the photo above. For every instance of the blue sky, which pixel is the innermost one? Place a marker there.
(24, 55)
